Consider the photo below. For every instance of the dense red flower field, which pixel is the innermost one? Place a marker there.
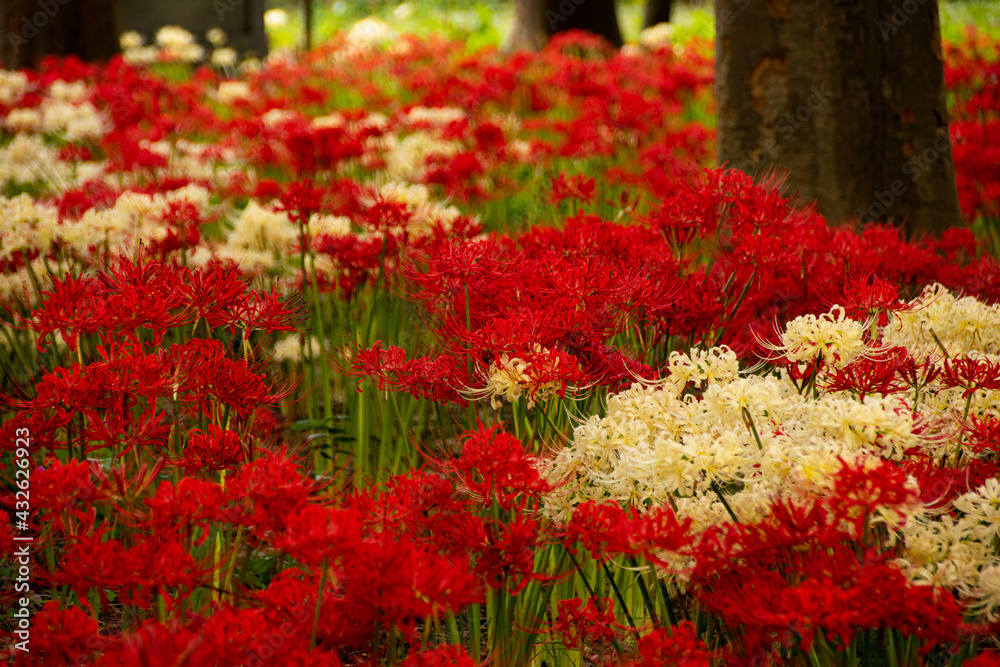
(401, 354)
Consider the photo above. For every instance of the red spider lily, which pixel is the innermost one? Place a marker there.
(607, 365)
(72, 307)
(834, 597)
(459, 174)
(921, 375)
(601, 528)
(255, 637)
(660, 530)
(507, 557)
(679, 231)
(218, 380)
(940, 485)
(442, 656)
(983, 434)
(108, 393)
(799, 572)
(566, 291)
(153, 644)
(878, 374)
(267, 312)
(576, 622)
(859, 489)
(44, 429)
(152, 296)
(310, 149)
(697, 308)
(183, 506)
(245, 636)
(955, 242)
(301, 199)
(604, 529)
(577, 187)
(187, 359)
(426, 507)
(379, 364)
(489, 137)
(386, 216)
(215, 289)
(123, 433)
(972, 375)
(984, 659)
(64, 495)
(144, 294)
(435, 378)
(152, 563)
(361, 259)
(315, 534)
(269, 490)
(450, 265)
(255, 310)
(266, 424)
(127, 483)
(388, 580)
(218, 449)
(396, 581)
(293, 593)
(62, 637)
(112, 393)
(290, 591)
(183, 221)
(677, 647)
(868, 296)
(494, 467)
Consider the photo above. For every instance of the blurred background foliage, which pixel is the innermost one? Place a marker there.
(483, 23)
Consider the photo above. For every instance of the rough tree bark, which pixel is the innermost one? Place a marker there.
(33, 29)
(847, 97)
(535, 21)
(657, 11)
(529, 32)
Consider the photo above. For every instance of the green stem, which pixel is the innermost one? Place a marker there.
(891, 648)
(725, 503)
(736, 306)
(475, 632)
(385, 439)
(753, 428)
(621, 599)
(646, 599)
(671, 612)
(961, 437)
(361, 443)
(319, 603)
(528, 638)
(591, 592)
(453, 635)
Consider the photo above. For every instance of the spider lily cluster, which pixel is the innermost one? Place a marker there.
(408, 355)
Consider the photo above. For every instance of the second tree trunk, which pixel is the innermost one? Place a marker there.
(845, 96)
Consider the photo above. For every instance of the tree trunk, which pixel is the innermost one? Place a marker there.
(657, 12)
(307, 11)
(845, 96)
(33, 29)
(529, 32)
(535, 21)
